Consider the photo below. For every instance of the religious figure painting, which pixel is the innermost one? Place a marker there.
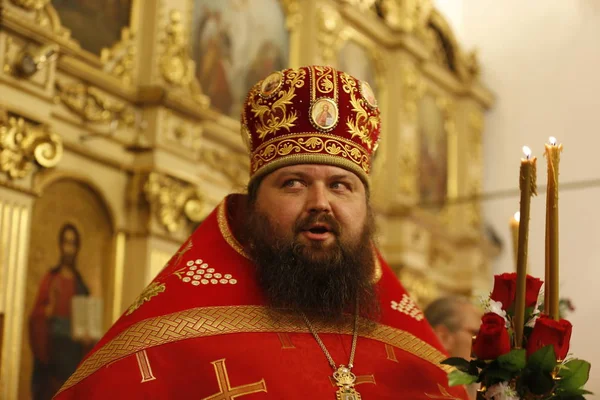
(324, 114)
(235, 44)
(433, 154)
(94, 24)
(68, 275)
(356, 60)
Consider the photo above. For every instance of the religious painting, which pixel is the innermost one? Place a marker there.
(324, 114)
(68, 277)
(355, 59)
(433, 154)
(235, 44)
(94, 24)
(270, 84)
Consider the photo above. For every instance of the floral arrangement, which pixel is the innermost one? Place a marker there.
(541, 368)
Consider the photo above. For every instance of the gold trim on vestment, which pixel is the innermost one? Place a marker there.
(226, 231)
(213, 321)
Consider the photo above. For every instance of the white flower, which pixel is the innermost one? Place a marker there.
(492, 306)
(501, 391)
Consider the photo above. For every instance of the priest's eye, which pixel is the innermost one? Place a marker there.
(339, 186)
(292, 183)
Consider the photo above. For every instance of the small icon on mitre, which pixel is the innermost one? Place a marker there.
(324, 114)
(271, 84)
(368, 95)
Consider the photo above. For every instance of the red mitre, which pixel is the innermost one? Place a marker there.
(311, 115)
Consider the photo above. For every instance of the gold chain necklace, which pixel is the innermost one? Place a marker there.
(343, 375)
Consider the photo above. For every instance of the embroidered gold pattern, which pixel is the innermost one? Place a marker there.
(409, 307)
(199, 273)
(363, 123)
(391, 353)
(153, 289)
(272, 118)
(226, 392)
(145, 367)
(323, 81)
(226, 232)
(212, 321)
(286, 341)
(444, 394)
(187, 247)
(310, 143)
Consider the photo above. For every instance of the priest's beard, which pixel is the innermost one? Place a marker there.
(323, 282)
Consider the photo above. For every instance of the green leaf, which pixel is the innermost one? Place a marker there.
(539, 382)
(514, 360)
(457, 377)
(497, 375)
(460, 363)
(543, 360)
(574, 374)
(573, 392)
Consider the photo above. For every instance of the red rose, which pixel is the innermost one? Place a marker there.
(492, 340)
(548, 331)
(505, 290)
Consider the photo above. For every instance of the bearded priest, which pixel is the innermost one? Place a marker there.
(280, 293)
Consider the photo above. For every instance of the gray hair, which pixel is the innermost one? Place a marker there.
(446, 311)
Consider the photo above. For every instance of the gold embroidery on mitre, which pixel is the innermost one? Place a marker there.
(212, 321)
(152, 290)
(272, 116)
(323, 82)
(360, 122)
(302, 143)
(197, 273)
(409, 307)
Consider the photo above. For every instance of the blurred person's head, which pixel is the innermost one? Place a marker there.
(455, 321)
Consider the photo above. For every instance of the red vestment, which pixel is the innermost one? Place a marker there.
(202, 330)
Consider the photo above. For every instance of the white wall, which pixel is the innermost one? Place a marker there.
(542, 59)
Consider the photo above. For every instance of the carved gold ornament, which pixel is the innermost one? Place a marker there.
(360, 123)
(23, 144)
(119, 60)
(226, 162)
(173, 202)
(31, 5)
(92, 105)
(272, 118)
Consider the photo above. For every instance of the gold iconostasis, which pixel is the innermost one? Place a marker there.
(119, 132)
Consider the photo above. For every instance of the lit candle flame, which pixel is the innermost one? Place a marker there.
(552, 140)
(517, 216)
(527, 152)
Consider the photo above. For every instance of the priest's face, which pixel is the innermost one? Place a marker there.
(309, 232)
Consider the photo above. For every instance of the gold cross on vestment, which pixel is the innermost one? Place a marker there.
(226, 392)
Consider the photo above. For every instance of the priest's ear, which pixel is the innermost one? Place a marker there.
(445, 336)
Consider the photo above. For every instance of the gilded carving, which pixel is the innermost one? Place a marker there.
(233, 167)
(292, 12)
(93, 106)
(184, 134)
(176, 64)
(119, 60)
(174, 202)
(23, 144)
(31, 5)
(331, 26)
(475, 173)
